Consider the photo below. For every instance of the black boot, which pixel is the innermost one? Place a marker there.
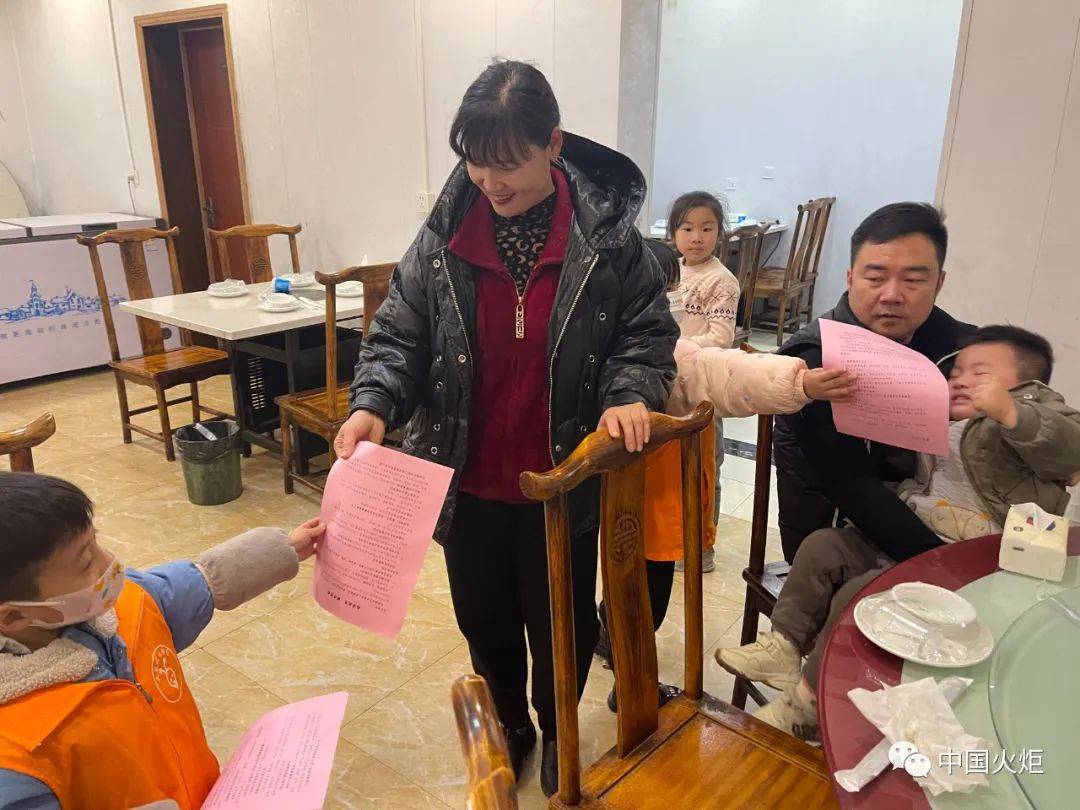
(519, 742)
(603, 646)
(549, 769)
(667, 692)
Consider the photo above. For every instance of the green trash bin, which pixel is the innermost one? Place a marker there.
(210, 456)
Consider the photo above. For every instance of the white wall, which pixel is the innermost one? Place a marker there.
(333, 100)
(15, 150)
(69, 88)
(845, 98)
(575, 44)
(1010, 175)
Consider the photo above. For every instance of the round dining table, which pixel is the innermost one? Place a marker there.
(851, 661)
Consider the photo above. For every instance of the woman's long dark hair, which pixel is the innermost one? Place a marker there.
(507, 109)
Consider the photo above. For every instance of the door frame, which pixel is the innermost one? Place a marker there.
(214, 12)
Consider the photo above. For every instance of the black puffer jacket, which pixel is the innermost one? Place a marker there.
(611, 337)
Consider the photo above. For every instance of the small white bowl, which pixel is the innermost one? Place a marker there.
(297, 280)
(350, 289)
(229, 288)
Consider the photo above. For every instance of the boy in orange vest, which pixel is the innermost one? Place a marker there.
(94, 708)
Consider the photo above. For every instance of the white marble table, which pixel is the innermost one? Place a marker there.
(270, 353)
(240, 318)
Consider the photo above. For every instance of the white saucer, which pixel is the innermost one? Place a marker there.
(272, 308)
(350, 289)
(977, 638)
(232, 292)
(298, 281)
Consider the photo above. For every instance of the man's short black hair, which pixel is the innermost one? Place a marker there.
(38, 515)
(900, 219)
(1034, 356)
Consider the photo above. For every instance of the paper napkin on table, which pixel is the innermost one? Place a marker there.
(919, 713)
(876, 760)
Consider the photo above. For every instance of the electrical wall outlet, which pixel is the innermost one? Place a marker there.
(422, 205)
(768, 173)
(730, 183)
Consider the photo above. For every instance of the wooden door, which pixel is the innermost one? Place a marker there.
(216, 157)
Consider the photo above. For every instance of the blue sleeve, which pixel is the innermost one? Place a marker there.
(183, 596)
(21, 792)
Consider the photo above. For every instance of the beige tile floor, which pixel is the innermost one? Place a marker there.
(399, 746)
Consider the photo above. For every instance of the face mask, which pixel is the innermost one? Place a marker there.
(84, 605)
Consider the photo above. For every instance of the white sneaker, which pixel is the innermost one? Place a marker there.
(708, 562)
(772, 659)
(794, 712)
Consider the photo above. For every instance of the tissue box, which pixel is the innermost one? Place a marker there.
(1034, 543)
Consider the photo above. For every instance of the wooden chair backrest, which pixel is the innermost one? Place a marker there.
(19, 442)
(759, 523)
(825, 205)
(750, 239)
(805, 240)
(626, 597)
(490, 776)
(133, 257)
(376, 281)
(257, 246)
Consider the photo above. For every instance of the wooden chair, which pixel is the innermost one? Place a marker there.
(763, 582)
(750, 240)
(793, 285)
(257, 246)
(695, 751)
(18, 443)
(325, 410)
(491, 779)
(156, 367)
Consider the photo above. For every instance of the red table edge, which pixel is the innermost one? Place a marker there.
(983, 552)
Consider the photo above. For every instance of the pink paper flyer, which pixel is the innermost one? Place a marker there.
(901, 397)
(284, 760)
(380, 508)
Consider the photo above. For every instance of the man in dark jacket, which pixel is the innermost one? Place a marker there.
(897, 258)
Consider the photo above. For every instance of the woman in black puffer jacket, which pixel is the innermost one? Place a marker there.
(525, 313)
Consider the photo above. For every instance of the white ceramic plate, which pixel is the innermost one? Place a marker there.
(350, 289)
(299, 280)
(227, 293)
(265, 307)
(977, 638)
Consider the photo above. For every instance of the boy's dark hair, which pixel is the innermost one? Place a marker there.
(38, 515)
(900, 219)
(689, 201)
(1034, 356)
(507, 109)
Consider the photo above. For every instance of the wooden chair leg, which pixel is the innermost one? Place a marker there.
(196, 414)
(125, 411)
(809, 308)
(751, 615)
(286, 451)
(166, 427)
(780, 317)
